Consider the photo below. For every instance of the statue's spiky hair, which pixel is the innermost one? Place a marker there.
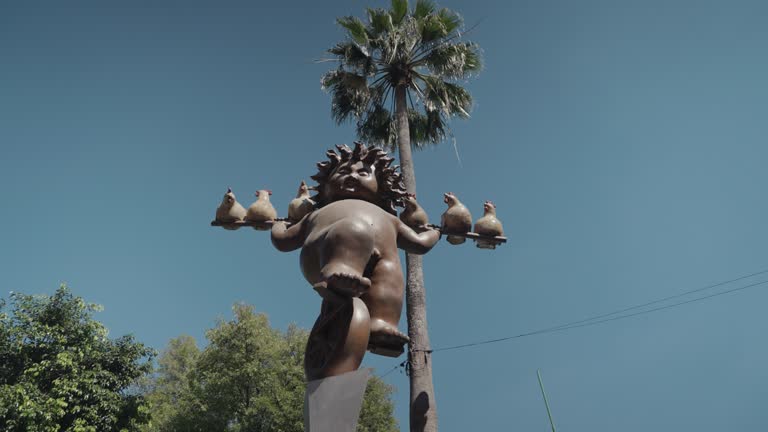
(391, 188)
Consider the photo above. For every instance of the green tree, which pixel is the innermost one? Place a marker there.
(250, 377)
(169, 393)
(60, 372)
(398, 79)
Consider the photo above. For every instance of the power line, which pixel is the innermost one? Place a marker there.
(394, 369)
(597, 319)
(662, 307)
(683, 294)
(582, 324)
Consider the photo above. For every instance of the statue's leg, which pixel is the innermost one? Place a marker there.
(345, 251)
(385, 303)
(338, 340)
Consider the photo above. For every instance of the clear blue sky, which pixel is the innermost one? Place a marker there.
(624, 143)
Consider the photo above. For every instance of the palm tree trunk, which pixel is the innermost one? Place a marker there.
(423, 409)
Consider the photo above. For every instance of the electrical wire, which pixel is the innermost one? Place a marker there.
(732, 290)
(603, 318)
(595, 320)
(394, 369)
(661, 300)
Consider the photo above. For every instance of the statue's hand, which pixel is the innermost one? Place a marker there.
(433, 235)
(418, 243)
(286, 239)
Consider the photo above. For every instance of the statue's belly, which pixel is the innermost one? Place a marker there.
(351, 212)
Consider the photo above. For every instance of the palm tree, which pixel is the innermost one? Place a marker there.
(397, 80)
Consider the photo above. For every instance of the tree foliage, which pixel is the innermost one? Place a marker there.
(250, 377)
(170, 395)
(60, 372)
(421, 50)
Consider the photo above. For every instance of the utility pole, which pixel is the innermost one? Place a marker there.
(546, 403)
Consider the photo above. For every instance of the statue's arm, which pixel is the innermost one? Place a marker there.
(413, 242)
(286, 239)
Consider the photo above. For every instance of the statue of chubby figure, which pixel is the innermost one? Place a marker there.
(349, 247)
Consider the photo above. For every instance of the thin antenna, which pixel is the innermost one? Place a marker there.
(546, 403)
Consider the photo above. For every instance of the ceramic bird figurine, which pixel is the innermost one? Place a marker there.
(414, 216)
(302, 205)
(230, 210)
(488, 225)
(261, 210)
(457, 219)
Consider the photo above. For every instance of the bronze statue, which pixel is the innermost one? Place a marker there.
(349, 254)
(349, 235)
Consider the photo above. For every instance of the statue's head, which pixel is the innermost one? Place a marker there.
(229, 198)
(489, 206)
(303, 188)
(361, 173)
(450, 199)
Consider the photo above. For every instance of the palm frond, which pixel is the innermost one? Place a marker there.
(380, 22)
(379, 92)
(354, 56)
(450, 20)
(431, 28)
(421, 47)
(453, 61)
(448, 98)
(426, 128)
(377, 127)
(442, 24)
(389, 47)
(426, 48)
(411, 37)
(355, 28)
(349, 94)
(423, 8)
(398, 10)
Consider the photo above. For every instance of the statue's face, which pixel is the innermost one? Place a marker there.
(353, 180)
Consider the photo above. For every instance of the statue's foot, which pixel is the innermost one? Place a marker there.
(343, 280)
(386, 339)
(322, 289)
